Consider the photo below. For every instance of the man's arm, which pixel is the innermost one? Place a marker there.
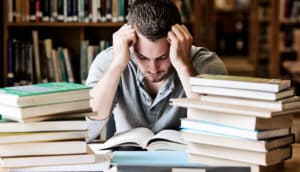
(104, 91)
(180, 49)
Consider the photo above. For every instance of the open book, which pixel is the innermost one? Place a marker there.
(144, 138)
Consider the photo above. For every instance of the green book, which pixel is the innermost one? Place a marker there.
(43, 93)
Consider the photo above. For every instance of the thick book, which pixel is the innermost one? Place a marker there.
(241, 121)
(18, 114)
(43, 148)
(236, 142)
(212, 161)
(250, 94)
(102, 164)
(241, 82)
(226, 108)
(60, 116)
(144, 138)
(284, 104)
(233, 132)
(25, 137)
(8, 126)
(260, 158)
(31, 161)
(44, 93)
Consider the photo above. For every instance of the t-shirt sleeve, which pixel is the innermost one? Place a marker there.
(99, 66)
(207, 62)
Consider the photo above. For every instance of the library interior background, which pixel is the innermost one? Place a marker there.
(254, 38)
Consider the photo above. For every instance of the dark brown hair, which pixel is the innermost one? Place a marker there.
(153, 18)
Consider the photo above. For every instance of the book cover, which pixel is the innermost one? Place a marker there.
(43, 148)
(242, 93)
(241, 82)
(231, 109)
(195, 136)
(241, 121)
(259, 158)
(42, 88)
(214, 128)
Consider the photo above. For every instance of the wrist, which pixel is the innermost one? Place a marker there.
(185, 68)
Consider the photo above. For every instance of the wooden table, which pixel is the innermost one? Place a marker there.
(293, 165)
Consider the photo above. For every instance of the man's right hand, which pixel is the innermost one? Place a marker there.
(122, 40)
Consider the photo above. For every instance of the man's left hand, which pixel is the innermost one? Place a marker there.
(180, 46)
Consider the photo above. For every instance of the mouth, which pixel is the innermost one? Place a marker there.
(154, 75)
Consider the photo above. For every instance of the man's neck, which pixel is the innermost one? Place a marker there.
(153, 87)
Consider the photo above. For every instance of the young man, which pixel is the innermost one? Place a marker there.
(150, 62)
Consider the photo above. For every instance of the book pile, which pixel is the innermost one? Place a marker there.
(43, 128)
(239, 121)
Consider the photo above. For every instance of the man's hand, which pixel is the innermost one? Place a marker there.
(122, 40)
(180, 46)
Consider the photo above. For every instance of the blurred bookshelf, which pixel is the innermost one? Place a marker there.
(67, 35)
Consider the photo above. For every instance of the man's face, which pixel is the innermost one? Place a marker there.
(152, 58)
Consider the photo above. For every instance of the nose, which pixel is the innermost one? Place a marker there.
(153, 66)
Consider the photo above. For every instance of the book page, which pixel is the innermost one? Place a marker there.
(139, 136)
(168, 135)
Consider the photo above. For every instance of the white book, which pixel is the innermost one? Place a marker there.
(236, 142)
(16, 113)
(233, 132)
(43, 126)
(32, 161)
(212, 161)
(241, 121)
(43, 148)
(241, 82)
(25, 137)
(232, 92)
(226, 108)
(260, 158)
(102, 164)
(284, 104)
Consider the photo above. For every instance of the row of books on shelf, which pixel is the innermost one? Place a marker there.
(88, 53)
(67, 10)
(239, 121)
(43, 130)
(77, 10)
(38, 61)
(289, 10)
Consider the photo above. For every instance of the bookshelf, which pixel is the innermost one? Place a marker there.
(68, 35)
(263, 46)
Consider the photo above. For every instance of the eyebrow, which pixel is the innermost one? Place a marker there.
(149, 57)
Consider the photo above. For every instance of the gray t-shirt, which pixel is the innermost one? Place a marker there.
(134, 107)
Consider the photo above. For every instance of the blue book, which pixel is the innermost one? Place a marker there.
(231, 131)
(132, 161)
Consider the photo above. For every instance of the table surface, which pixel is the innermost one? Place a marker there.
(293, 165)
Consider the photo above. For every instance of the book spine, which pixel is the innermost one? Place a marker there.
(115, 10)
(121, 10)
(103, 10)
(36, 53)
(11, 59)
(60, 10)
(62, 64)
(32, 11)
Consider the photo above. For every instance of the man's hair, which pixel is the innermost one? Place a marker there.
(153, 18)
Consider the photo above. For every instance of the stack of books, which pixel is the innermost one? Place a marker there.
(43, 127)
(242, 121)
(27, 103)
